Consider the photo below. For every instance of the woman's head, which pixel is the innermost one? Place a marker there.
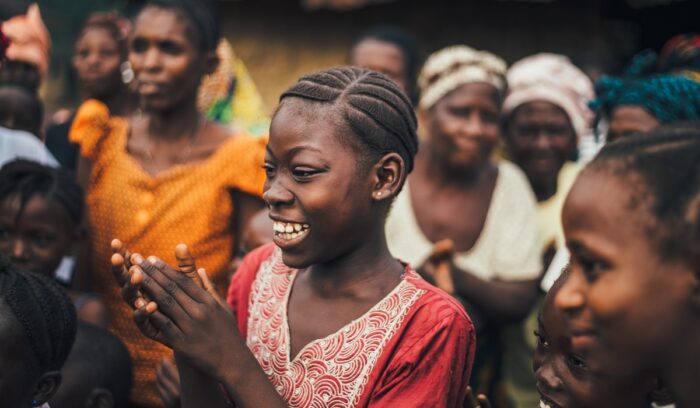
(100, 50)
(545, 111)
(37, 329)
(41, 209)
(632, 224)
(392, 52)
(341, 144)
(563, 377)
(460, 105)
(173, 45)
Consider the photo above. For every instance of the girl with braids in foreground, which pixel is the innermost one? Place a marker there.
(632, 225)
(37, 329)
(341, 145)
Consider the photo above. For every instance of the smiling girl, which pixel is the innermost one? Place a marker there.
(631, 224)
(327, 316)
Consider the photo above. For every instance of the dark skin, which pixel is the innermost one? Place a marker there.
(97, 60)
(540, 139)
(628, 120)
(37, 238)
(21, 380)
(382, 57)
(343, 261)
(169, 132)
(454, 174)
(18, 111)
(616, 268)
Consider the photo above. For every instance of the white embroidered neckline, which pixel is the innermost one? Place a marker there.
(328, 372)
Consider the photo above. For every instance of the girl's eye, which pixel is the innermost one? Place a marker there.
(592, 268)
(42, 239)
(139, 45)
(269, 170)
(304, 172)
(577, 362)
(541, 341)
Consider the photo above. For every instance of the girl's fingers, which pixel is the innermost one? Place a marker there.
(156, 325)
(130, 289)
(470, 400)
(119, 269)
(210, 288)
(165, 292)
(483, 401)
(176, 282)
(186, 263)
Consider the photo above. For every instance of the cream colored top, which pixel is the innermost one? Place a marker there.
(508, 247)
(549, 211)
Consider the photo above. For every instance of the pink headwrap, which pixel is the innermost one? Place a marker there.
(551, 78)
(29, 39)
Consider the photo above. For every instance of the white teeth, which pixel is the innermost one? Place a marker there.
(289, 230)
(544, 405)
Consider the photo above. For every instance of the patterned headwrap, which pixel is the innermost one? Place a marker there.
(29, 39)
(551, 78)
(452, 67)
(670, 98)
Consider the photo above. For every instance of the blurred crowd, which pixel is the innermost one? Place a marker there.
(403, 231)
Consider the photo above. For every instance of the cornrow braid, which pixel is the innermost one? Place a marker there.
(374, 108)
(25, 179)
(200, 13)
(44, 311)
(668, 162)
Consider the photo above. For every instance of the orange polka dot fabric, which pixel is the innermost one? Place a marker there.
(188, 203)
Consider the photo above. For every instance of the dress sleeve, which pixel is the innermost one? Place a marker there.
(93, 129)
(434, 371)
(238, 294)
(244, 160)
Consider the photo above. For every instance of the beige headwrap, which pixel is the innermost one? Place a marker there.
(29, 39)
(452, 67)
(551, 78)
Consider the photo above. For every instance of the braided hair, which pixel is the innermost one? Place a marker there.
(25, 179)
(667, 160)
(372, 105)
(44, 311)
(202, 16)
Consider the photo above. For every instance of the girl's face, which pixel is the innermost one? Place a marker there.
(165, 58)
(625, 304)
(37, 238)
(463, 126)
(540, 139)
(563, 377)
(97, 61)
(320, 203)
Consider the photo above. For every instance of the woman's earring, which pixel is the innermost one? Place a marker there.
(127, 72)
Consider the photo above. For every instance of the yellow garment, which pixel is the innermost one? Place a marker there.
(549, 211)
(229, 95)
(189, 203)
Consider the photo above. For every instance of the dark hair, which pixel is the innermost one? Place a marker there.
(25, 179)
(667, 161)
(110, 22)
(408, 47)
(16, 98)
(101, 359)
(373, 107)
(44, 311)
(201, 14)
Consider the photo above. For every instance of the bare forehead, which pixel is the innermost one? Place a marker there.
(162, 22)
(540, 109)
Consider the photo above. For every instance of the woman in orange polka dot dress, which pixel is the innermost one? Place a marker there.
(165, 175)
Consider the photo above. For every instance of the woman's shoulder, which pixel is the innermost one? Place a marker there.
(95, 130)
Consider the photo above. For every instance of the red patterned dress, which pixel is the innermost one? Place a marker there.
(414, 348)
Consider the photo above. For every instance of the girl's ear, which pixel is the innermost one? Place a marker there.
(388, 177)
(46, 387)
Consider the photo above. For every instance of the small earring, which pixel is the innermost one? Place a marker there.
(379, 194)
(127, 72)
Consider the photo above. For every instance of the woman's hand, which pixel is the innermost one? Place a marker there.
(480, 401)
(192, 320)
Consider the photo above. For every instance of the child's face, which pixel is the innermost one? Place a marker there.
(625, 305)
(97, 60)
(563, 377)
(313, 188)
(37, 238)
